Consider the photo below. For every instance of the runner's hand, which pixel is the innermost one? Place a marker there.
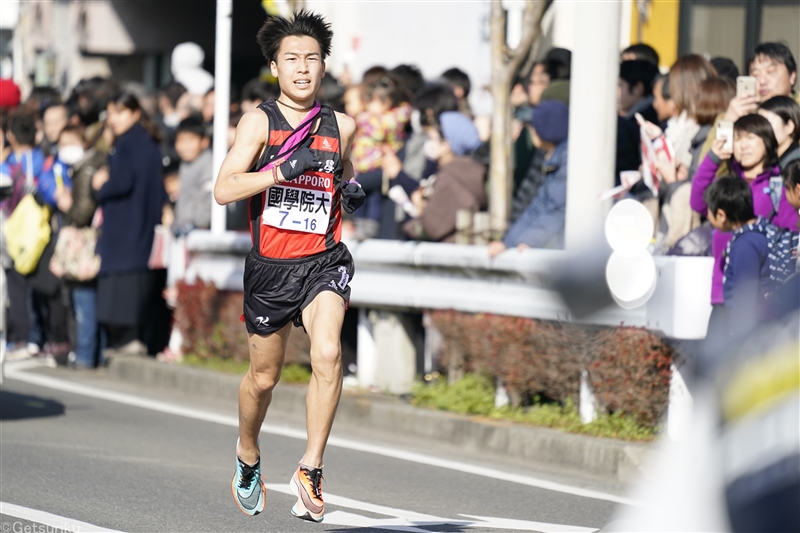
(300, 161)
(353, 196)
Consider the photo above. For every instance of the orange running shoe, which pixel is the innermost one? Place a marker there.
(306, 484)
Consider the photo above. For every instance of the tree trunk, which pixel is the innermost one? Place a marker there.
(505, 65)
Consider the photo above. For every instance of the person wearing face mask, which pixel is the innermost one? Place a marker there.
(54, 293)
(78, 205)
(459, 182)
(69, 152)
(754, 158)
(48, 295)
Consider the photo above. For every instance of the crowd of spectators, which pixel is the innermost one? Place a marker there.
(117, 159)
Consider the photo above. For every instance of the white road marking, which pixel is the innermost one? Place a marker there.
(12, 372)
(411, 521)
(523, 525)
(51, 520)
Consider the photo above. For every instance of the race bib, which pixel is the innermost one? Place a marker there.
(297, 209)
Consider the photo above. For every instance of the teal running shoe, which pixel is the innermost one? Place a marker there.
(247, 487)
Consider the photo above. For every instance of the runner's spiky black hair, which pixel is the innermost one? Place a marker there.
(275, 29)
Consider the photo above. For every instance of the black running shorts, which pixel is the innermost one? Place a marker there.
(277, 290)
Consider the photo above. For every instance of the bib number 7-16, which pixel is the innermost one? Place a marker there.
(297, 209)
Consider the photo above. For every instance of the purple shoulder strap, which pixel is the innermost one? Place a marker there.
(300, 134)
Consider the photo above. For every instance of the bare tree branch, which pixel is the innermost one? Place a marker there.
(505, 65)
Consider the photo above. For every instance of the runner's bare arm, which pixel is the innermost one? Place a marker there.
(347, 131)
(234, 181)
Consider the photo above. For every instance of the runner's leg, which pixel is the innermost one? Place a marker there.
(323, 319)
(255, 391)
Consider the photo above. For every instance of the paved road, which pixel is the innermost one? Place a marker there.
(78, 455)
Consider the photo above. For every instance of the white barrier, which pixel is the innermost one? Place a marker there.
(415, 276)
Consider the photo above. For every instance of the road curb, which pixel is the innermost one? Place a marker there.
(603, 459)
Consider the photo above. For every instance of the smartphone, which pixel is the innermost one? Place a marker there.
(745, 86)
(725, 129)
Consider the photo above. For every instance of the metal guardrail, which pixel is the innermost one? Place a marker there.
(416, 276)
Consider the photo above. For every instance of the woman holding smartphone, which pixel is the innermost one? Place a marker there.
(754, 158)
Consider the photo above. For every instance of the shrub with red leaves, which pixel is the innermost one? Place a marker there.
(542, 358)
(629, 368)
(529, 356)
(631, 373)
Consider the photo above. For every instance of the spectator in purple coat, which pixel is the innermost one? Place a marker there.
(755, 159)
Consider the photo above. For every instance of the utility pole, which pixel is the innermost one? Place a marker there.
(222, 96)
(592, 120)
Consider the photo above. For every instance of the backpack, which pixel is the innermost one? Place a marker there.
(781, 252)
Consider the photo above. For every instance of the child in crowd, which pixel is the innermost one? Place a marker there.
(193, 206)
(791, 184)
(59, 177)
(381, 124)
(746, 272)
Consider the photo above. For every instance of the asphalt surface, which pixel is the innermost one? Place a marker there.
(69, 454)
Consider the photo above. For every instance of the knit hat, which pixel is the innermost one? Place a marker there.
(9, 93)
(551, 121)
(459, 131)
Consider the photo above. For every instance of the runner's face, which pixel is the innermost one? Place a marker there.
(299, 67)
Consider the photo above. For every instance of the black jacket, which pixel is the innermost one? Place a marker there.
(132, 200)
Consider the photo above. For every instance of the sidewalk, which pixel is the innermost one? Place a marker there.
(605, 460)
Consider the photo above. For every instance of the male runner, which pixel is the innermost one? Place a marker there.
(298, 270)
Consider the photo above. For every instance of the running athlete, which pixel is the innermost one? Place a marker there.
(298, 270)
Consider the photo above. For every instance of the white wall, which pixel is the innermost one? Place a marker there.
(432, 35)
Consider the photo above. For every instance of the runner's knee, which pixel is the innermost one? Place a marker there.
(326, 356)
(264, 381)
